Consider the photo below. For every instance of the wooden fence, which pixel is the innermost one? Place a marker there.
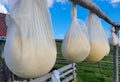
(103, 64)
(67, 74)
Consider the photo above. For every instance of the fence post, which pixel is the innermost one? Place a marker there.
(115, 60)
(4, 72)
(74, 71)
(100, 66)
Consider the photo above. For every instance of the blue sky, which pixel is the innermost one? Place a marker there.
(61, 13)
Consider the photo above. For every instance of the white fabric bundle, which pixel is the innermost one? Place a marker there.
(75, 46)
(98, 39)
(30, 49)
(55, 76)
(112, 29)
(113, 39)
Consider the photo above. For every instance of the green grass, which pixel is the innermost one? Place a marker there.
(87, 73)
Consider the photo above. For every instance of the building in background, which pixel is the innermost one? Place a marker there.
(3, 27)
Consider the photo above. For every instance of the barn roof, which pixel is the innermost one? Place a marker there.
(3, 27)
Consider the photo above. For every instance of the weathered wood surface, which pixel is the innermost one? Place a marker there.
(116, 61)
(94, 8)
(43, 78)
(67, 71)
(68, 79)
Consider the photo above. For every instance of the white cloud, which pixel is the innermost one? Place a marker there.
(61, 1)
(114, 5)
(50, 3)
(3, 1)
(2, 9)
(115, 1)
(111, 1)
(59, 36)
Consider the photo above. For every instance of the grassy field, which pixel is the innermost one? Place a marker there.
(87, 72)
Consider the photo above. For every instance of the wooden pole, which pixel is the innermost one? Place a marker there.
(115, 60)
(94, 8)
(74, 71)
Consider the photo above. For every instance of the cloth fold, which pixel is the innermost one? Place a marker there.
(56, 76)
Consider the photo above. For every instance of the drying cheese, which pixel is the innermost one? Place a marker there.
(32, 59)
(98, 51)
(98, 39)
(113, 39)
(75, 48)
(30, 49)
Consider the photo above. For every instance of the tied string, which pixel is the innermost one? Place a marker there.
(74, 11)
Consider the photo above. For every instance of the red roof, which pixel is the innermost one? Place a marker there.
(3, 27)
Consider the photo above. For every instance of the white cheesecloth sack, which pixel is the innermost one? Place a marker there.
(30, 49)
(75, 46)
(113, 39)
(98, 39)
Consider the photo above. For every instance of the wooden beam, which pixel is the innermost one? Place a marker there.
(116, 60)
(95, 9)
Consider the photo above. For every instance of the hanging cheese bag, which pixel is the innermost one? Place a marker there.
(30, 49)
(113, 39)
(98, 39)
(75, 46)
